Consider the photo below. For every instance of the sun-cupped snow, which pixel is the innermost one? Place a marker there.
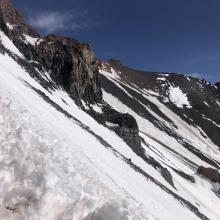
(178, 97)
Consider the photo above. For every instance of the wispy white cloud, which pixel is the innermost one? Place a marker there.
(196, 75)
(52, 21)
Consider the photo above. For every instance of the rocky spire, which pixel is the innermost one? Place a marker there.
(12, 21)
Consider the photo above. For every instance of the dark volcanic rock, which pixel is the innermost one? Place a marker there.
(218, 87)
(209, 173)
(127, 127)
(72, 66)
(70, 63)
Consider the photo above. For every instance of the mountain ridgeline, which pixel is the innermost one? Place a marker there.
(71, 65)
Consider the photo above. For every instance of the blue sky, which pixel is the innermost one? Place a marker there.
(157, 35)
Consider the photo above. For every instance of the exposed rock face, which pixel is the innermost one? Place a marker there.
(209, 173)
(127, 127)
(71, 65)
(12, 22)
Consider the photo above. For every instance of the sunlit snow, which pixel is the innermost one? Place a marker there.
(178, 97)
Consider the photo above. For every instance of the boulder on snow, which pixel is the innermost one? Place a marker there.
(209, 173)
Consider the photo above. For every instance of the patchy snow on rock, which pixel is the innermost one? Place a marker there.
(161, 79)
(207, 104)
(31, 40)
(200, 86)
(111, 125)
(208, 119)
(113, 74)
(97, 108)
(178, 97)
(164, 74)
(10, 26)
(8, 44)
(151, 92)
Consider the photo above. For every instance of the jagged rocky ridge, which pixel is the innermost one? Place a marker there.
(60, 62)
(203, 97)
(70, 64)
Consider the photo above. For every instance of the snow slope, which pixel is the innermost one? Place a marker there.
(167, 149)
(57, 162)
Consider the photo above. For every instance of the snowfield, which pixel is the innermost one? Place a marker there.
(178, 97)
(54, 167)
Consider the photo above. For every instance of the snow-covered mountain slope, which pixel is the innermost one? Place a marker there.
(73, 147)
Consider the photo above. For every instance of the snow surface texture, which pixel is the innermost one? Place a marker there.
(51, 168)
(45, 175)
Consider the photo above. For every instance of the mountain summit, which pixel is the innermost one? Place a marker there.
(84, 139)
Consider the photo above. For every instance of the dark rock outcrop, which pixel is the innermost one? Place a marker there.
(12, 22)
(71, 64)
(218, 87)
(127, 126)
(209, 173)
(124, 125)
